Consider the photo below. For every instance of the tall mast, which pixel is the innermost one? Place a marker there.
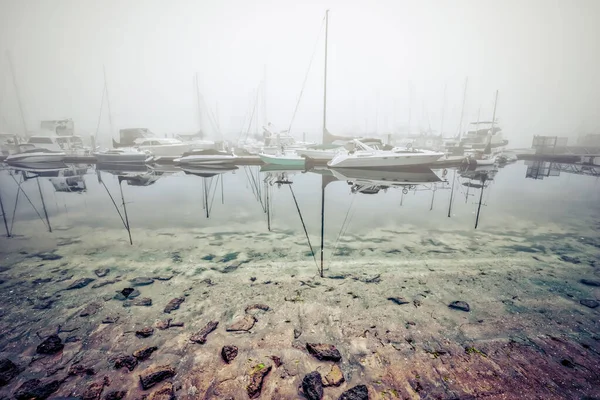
(108, 101)
(443, 111)
(264, 99)
(325, 77)
(494, 115)
(198, 103)
(462, 110)
(12, 71)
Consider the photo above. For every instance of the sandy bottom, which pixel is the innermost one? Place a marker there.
(526, 336)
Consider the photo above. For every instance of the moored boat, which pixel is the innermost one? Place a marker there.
(123, 155)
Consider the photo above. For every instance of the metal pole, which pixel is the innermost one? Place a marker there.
(125, 211)
(451, 193)
(4, 217)
(43, 204)
(479, 207)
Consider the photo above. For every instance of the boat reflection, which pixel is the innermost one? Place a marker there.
(371, 181)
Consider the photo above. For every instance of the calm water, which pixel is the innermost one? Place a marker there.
(259, 203)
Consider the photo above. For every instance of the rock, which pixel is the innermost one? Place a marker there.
(153, 375)
(48, 256)
(256, 380)
(460, 305)
(200, 337)
(324, 352)
(229, 353)
(359, 392)
(145, 352)
(80, 283)
(590, 282)
(143, 302)
(164, 324)
(101, 273)
(243, 324)
(141, 281)
(90, 309)
(145, 332)
(312, 386)
(110, 319)
(164, 278)
(8, 370)
(335, 377)
(253, 308)
(165, 392)
(126, 292)
(135, 293)
(589, 303)
(52, 345)
(44, 305)
(104, 283)
(115, 395)
(80, 370)
(34, 389)
(175, 324)
(93, 391)
(398, 300)
(126, 361)
(572, 260)
(174, 304)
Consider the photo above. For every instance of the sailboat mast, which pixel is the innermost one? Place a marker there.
(12, 71)
(443, 111)
(494, 114)
(325, 77)
(462, 110)
(264, 99)
(198, 103)
(110, 121)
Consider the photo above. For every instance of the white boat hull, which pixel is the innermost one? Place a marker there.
(390, 160)
(321, 155)
(167, 150)
(29, 158)
(206, 160)
(288, 160)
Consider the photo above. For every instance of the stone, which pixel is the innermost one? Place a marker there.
(141, 281)
(8, 370)
(110, 319)
(115, 395)
(253, 308)
(165, 392)
(145, 332)
(80, 283)
(102, 272)
(335, 377)
(164, 324)
(164, 278)
(43, 305)
(229, 353)
(589, 303)
(399, 300)
(145, 352)
(127, 291)
(90, 309)
(126, 361)
(48, 256)
(34, 389)
(257, 377)
(590, 282)
(135, 293)
(93, 391)
(572, 260)
(104, 283)
(80, 370)
(143, 302)
(460, 305)
(52, 345)
(312, 386)
(359, 392)
(200, 336)
(174, 304)
(175, 324)
(324, 352)
(156, 374)
(243, 324)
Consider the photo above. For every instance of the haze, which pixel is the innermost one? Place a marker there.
(542, 56)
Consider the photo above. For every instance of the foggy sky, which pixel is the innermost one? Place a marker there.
(542, 56)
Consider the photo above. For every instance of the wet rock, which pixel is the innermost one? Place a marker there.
(257, 377)
(572, 260)
(143, 302)
(102, 272)
(8, 370)
(135, 293)
(145, 332)
(398, 300)
(110, 319)
(335, 377)
(174, 304)
(460, 305)
(43, 305)
(312, 386)
(34, 389)
(165, 392)
(243, 324)
(156, 374)
(126, 361)
(81, 370)
(163, 278)
(590, 282)
(90, 309)
(93, 391)
(359, 392)
(229, 353)
(52, 345)
(145, 352)
(254, 308)
(80, 283)
(164, 324)
(48, 256)
(40, 281)
(104, 283)
(115, 395)
(200, 337)
(174, 324)
(589, 303)
(141, 281)
(324, 352)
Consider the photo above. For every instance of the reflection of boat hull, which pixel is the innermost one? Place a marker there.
(398, 177)
(117, 169)
(207, 172)
(206, 160)
(132, 156)
(39, 167)
(281, 168)
(287, 160)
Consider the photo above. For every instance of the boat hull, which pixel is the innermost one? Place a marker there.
(167, 150)
(206, 160)
(321, 155)
(387, 161)
(35, 158)
(282, 160)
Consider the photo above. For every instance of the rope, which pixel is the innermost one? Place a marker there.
(342, 229)
(305, 78)
(304, 226)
